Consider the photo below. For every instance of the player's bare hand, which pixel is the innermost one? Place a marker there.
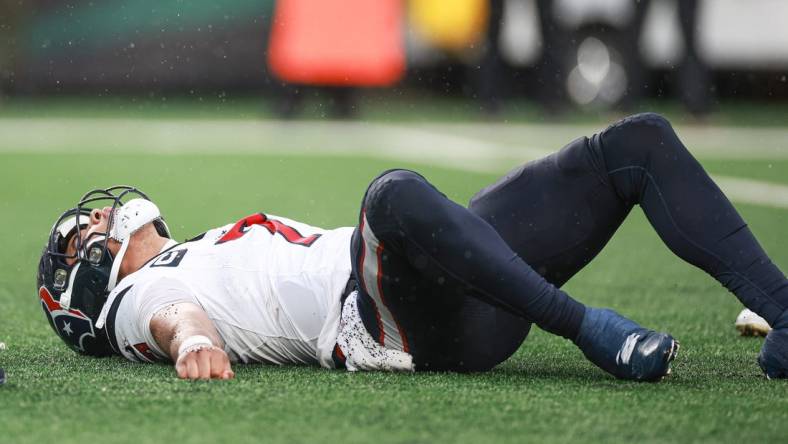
(204, 363)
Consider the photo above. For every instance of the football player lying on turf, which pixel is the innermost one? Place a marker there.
(421, 283)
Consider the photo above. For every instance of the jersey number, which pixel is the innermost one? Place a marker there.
(169, 259)
(272, 225)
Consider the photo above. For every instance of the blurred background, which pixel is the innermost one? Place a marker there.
(499, 59)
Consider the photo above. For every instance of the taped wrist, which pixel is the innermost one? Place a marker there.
(194, 343)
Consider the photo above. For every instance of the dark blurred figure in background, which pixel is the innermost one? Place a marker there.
(694, 79)
(549, 78)
(490, 77)
(558, 44)
(561, 44)
(631, 44)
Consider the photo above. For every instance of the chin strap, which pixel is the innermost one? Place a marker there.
(113, 273)
(65, 297)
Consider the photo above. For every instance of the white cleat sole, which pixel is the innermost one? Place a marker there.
(750, 324)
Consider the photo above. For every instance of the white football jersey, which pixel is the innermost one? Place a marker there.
(272, 287)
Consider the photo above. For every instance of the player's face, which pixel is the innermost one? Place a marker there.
(97, 223)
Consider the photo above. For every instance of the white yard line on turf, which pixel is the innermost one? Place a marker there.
(480, 147)
(753, 191)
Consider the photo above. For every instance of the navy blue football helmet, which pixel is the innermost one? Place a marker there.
(73, 286)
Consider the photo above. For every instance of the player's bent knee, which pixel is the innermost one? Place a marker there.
(398, 177)
(387, 190)
(641, 136)
(642, 121)
(649, 126)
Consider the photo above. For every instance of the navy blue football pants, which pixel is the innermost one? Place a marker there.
(459, 288)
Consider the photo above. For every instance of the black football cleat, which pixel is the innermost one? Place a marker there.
(623, 348)
(773, 357)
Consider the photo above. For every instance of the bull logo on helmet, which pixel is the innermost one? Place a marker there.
(71, 323)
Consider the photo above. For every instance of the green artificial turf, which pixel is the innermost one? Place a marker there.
(770, 170)
(547, 392)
